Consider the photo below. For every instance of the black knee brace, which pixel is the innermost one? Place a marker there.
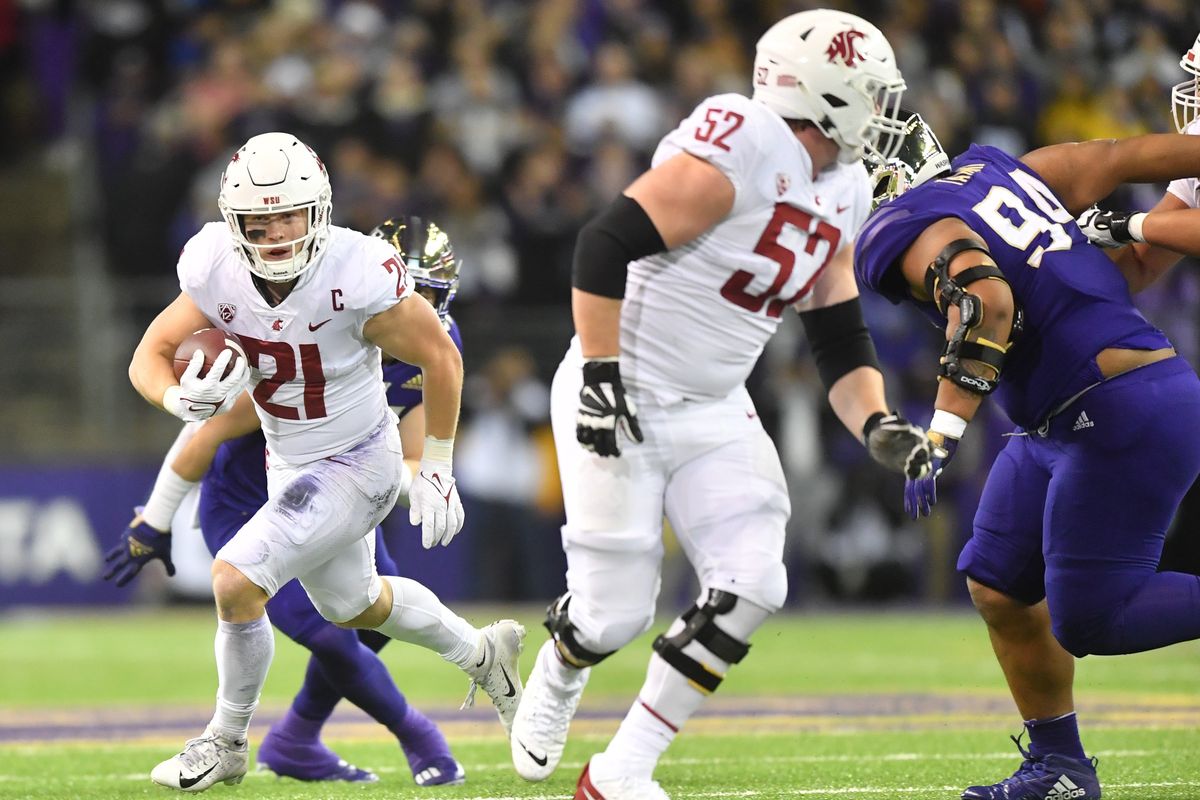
(699, 627)
(563, 633)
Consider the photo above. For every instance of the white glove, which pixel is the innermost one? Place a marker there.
(1111, 228)
(434, 502)
(195, 399)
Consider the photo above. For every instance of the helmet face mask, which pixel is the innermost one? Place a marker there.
(275, 173)
(1185, 103)
(918, 159)
(838, 72)
(427, 254)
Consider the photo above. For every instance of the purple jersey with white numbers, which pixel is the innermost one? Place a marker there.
(237, 479)
(1075, 301)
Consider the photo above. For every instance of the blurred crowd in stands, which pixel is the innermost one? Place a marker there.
(511, 122)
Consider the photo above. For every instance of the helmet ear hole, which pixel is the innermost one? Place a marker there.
(834, 101)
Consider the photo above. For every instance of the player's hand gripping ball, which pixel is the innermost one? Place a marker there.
(212, 372)
(212, 342)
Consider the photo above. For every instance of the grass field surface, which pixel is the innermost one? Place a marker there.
(829, 705)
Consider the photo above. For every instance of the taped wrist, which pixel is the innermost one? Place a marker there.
(620, 234)
(839, 340)
(1133, 226)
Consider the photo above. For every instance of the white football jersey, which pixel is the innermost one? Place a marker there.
(1188, 189)
(317, 383)
(696, 318)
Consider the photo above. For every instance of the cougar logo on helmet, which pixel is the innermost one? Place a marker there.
(838, 72)
(844, 46)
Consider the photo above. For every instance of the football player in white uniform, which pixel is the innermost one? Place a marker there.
(312, 305)
(1161, 236)
(750, 206)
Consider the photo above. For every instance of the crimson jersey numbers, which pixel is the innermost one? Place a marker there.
(768, 245)
(717, 126)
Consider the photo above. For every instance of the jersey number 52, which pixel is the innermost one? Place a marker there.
(769, 245)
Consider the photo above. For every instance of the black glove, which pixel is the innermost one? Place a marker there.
(603, 407)
(140, 544)
(897, 444)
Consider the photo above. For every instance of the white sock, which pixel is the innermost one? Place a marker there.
(667, 699)
(244, 652)
(419, 617)
(665, 702)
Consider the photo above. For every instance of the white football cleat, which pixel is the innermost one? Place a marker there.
(205, 760)
(498, 672)
(606, 784)
(540, 728)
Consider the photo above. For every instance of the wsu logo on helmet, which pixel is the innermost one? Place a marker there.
(845, 46)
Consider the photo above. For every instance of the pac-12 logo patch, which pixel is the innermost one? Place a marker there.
(227, 311)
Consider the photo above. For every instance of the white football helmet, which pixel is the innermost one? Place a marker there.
(1185, 105)
(271, 173)
(837, 71)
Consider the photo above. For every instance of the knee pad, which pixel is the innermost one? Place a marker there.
(771, 591)
(566, 639)
(700, 634)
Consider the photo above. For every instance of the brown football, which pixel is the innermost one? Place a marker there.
(212, 341)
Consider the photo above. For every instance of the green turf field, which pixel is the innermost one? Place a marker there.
(878, 705)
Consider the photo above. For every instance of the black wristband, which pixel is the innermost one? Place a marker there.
(620, 234)
(839, 340)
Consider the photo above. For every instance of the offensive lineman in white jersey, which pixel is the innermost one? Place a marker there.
(312, 305)
(1161, 236)
(749, 207)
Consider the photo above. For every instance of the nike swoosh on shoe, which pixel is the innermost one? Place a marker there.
(512, 690)
(539, 760)
(486, 650)
(187, 783)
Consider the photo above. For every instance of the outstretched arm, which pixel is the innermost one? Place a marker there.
(1144, 245)
(1083, 173)
(846, 360)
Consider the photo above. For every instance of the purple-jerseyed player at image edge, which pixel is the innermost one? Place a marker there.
(222, 460)
(1071, 523)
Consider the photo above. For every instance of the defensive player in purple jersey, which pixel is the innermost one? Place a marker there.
(1152, 242)
(227, 453)
(1069, 529)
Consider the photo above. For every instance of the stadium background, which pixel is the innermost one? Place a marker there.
(510, 123)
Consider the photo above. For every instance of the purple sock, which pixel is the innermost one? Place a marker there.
(1055, 736)
(421, 740)
(298, 728)
(342, 666)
